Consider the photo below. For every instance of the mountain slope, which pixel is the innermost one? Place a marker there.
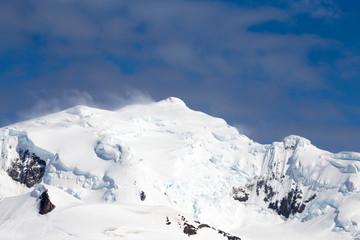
(127, 173)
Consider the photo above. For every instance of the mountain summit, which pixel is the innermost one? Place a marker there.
(164, 171)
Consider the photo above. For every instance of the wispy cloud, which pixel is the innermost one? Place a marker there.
(325, 9)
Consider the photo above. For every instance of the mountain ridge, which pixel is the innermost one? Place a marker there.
(184, 160)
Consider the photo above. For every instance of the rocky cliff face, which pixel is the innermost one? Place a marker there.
(285, 183)
(27, 169)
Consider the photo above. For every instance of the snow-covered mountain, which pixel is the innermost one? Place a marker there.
(164, 171)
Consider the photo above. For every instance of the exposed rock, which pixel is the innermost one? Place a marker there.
(267, 189)
(142, 196)
(240, 194)
(203, 226)
(229, 237)
(167, 221)
(46, 205)
(189, 229)
(310, 198)
(270, 193)
(259, 185)
(289, 204)
(27, 169)
(233, 237)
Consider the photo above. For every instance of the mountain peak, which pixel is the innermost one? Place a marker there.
(78, 109)
(295, 141)
(173, 100)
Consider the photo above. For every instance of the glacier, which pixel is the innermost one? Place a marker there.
(130, 172)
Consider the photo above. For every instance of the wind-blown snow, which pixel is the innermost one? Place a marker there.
(99, 163)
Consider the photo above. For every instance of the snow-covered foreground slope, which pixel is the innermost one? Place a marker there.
(163, 171)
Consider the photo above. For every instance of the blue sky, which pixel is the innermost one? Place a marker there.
(270, 68)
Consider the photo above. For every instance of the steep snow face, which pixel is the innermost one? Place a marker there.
(165, 154)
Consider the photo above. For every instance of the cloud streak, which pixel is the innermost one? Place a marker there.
(327, 9)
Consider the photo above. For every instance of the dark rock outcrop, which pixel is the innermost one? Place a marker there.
(202, 225)
(269, 192)
(233, 237)
(190, 229)
(229, 237)
(285, 205)
(240, 194)
(267, 189)
(310, 198)
(142, 196)
(290, 204)
(27, 169)
(46, 205)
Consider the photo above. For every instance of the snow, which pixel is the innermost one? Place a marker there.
(186, 163)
